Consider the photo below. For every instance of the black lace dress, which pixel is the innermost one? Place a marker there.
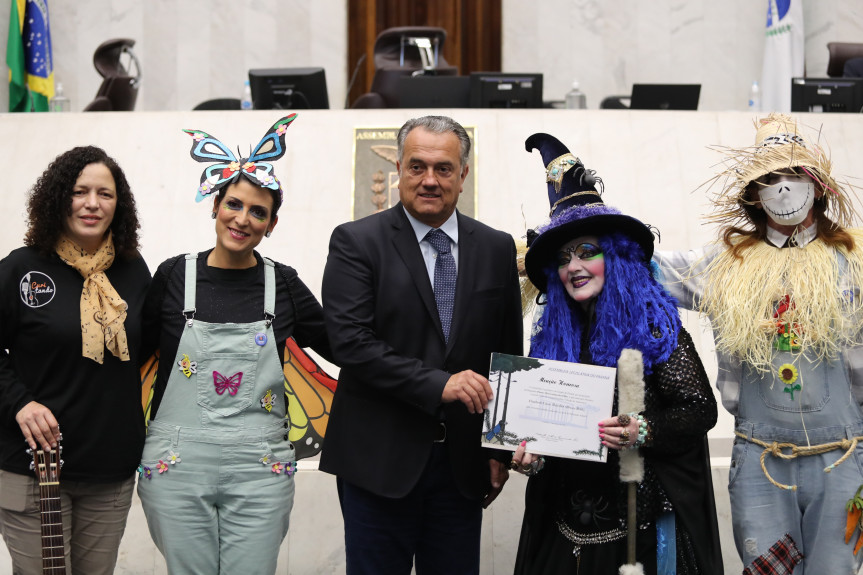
(575, 511)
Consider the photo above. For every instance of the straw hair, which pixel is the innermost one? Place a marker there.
(741, 296)
(529, 292)
(779, 146)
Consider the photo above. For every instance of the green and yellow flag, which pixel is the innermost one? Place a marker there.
(28, 55)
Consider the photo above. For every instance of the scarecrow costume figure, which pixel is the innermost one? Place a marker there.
(601, 305)
(781, 287)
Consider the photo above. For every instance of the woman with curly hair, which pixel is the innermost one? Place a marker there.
(601, 306)
(75, 289)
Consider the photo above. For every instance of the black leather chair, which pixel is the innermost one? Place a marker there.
(396, 54)
(219, 104)
(840, 53)
(119, 89)
(615, 103)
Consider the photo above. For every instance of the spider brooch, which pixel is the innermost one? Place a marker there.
(587, 509)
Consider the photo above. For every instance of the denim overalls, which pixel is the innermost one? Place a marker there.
(216, 481)
(813, 405)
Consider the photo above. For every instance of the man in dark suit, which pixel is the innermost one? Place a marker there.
(404, 432)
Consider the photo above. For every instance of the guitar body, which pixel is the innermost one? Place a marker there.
(47, 467)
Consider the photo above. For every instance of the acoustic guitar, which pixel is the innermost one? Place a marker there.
(47, 468)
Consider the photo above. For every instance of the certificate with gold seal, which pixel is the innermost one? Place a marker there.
(555, 406)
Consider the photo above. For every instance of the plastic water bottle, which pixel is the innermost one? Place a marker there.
(755, 97)
(575, 98)
(246, 100)
(60, 103)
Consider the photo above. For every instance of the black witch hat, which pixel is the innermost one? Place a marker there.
(577, 209)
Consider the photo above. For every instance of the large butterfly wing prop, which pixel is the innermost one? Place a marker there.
(148, 381)
(270, 148)
(309, 394)
(206, 148)
(272, 145)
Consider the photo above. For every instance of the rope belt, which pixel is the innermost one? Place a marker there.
(775, 448)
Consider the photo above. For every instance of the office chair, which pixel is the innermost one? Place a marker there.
(219, 104)
(119, 89)
(615, 103)
(404, 51)
(840, 52)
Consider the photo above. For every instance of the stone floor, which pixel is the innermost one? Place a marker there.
(314, 544)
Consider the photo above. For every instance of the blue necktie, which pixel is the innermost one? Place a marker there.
(444, 278)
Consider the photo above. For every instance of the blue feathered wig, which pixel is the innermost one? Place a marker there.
(632, 311)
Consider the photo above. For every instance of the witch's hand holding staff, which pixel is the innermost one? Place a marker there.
(619, 432)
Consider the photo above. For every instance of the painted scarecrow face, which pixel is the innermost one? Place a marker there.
(787, 198)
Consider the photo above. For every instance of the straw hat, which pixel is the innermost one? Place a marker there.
(779, 145)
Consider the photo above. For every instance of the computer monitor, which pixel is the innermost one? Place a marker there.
(434, 92)
(289, 89)
(827, 95)
(665, 96)
(505, 90)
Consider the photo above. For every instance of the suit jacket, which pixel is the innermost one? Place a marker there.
(386, 335)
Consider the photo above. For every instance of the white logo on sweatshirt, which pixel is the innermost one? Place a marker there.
(37, 289)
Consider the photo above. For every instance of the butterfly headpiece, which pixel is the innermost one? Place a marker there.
(206, 148)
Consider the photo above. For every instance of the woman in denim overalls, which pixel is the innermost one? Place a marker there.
(217, 470)
(787, 326)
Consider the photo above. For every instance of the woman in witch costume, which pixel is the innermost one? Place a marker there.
(217, 482)
(592, 264)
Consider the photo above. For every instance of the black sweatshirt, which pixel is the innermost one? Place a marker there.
(97, 406)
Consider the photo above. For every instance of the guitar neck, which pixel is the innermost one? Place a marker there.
(53, 555)
(47, 466)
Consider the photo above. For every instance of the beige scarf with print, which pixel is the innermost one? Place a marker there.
(103, 311)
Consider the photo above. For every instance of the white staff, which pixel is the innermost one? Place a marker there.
(630, 385)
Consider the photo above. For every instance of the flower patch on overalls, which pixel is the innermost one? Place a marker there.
(287, 469)
(787, 333)
(162, 466)
(788, 375)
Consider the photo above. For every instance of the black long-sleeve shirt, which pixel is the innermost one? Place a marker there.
(98, 406)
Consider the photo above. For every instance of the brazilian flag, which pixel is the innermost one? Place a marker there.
(28, 55)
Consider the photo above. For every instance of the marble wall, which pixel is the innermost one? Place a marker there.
(608, 46)
(195, 50)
